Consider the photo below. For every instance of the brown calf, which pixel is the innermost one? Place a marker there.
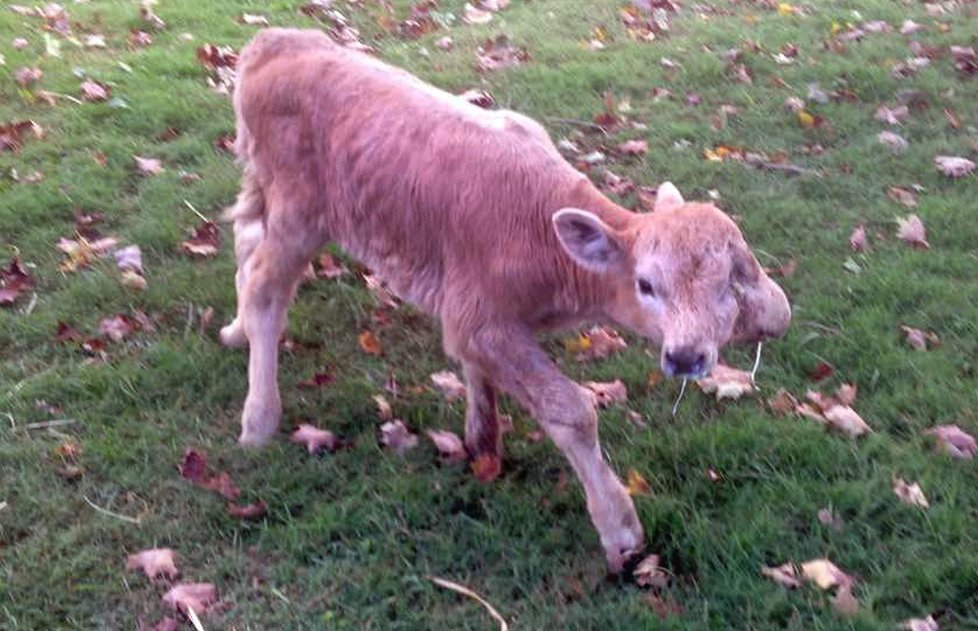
(474, 217)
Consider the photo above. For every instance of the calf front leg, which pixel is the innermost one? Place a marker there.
(482, 436)
(517, 365)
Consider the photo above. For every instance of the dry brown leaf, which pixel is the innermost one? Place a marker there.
(11, 138)
(911, 230)
(825, 574)
(499, 53)
(26, 76)
(636, 484)
(783, 403)
(649, 573)
(785, 575)
(902, 196)
(604, 394)
(148, 166)
(197, 596)
(857, 240)
(450, 386)
(449, 445)
(954, 166)
(256, 510)
(844, 418)
(14, 279)
(205, 240)
(919, 339)
(956, 442)
(314, 438)
(597, 343)
(474, 15)
(154, 562)
(634, 147)
(893, 141)
(921, 624)
(397, 437)
(93, 91)
(909, 493)
(726, 382)
(194, 469)
(486, 468)
(369, 343)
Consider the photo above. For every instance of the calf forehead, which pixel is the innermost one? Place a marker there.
(691, 240)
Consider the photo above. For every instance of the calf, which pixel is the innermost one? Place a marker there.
(473, 216)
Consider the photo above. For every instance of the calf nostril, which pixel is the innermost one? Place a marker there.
(685, 362)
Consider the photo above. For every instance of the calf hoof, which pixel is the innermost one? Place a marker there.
(259, 423)
(233, 335)
(625, 547)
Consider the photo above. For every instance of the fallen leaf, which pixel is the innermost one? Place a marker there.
(895, 142)
(445, 43)
(449, 445)
(369, 343)
(499, 53)
(449, 385)
(139, 39)
(204, 241)
(67, 333)
(909, 27)
(795, 105)
(117, 327)
(473, 15)
(825, 574)
(318, 379)
(902, 196)
(909, 493)
(954, 441)
(954, 166)
(636, 484)
(197, 596)
(919, 339)
(487, 468)
(384, 411)
(329, 267)
(921, 624)
(93, 91)
(606, 394)
(785, 575)
(148, 166)
(20, 43)
(256, 510)
(154, 562)
(726, 382)
(147, 15)
(965, 60)
(597, 343)
(782, 403)
(254, 20)
(857, 240)
(649, 573)
(634, 147)
(911, 230)
(11, 134)
(194, 469)
(396, 436)
(14, 279)
(129, 258)
(892, 116)
(26, 76)
(314, 439)
(844, 418)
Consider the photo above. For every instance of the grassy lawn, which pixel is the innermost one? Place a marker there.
(350, 538)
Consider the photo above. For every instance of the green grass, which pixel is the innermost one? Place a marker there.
(350, 537)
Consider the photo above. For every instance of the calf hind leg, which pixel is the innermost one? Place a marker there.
(272, 273)
(248, 215)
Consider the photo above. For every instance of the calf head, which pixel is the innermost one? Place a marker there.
(682, 276)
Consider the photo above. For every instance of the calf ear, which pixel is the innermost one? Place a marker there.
(589, 241)
(764, 308)
(667, 197)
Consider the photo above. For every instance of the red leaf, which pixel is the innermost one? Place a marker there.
(249, 511)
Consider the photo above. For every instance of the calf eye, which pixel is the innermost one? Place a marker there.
(645, 287)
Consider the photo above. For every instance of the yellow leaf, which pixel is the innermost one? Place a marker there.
(578, 344)
(636, 484)
(786, 9)
(836, 27)
(712, 156)
(369, 343)
(805, 119)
